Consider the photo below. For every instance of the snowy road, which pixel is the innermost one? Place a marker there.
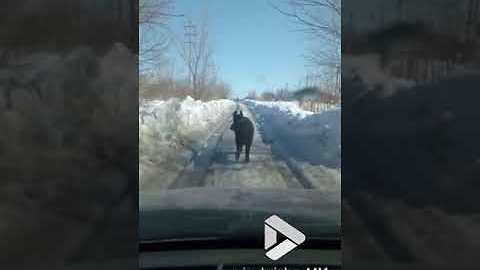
(188, 144)
(263, 171)
(216, 166)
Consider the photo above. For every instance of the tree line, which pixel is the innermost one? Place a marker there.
(310, 98)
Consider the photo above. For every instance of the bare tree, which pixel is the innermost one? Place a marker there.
(196, 52)
(268, 96)
(308, 13)
(153, 15)
(320, 19)
(282, 94)
(252, 94)
(154, 12)
(216, 89)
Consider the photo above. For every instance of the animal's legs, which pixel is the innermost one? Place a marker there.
(239, 150)
(247, 152)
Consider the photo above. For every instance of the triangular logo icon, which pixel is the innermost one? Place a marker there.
(294, 237)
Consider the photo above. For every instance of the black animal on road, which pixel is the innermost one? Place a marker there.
(243, 128)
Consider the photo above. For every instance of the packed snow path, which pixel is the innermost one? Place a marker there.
(261, 172)
(216, 165)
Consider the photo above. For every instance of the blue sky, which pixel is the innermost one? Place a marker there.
(255, 47)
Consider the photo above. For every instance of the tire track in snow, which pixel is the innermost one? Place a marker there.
(194, 174)
(293, 167)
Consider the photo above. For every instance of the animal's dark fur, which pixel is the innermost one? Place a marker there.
(243, 128)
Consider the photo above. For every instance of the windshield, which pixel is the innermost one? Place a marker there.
(235, 126)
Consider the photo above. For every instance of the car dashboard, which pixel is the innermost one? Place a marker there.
(241, 254)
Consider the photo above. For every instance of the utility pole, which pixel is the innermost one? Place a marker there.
(190, 37)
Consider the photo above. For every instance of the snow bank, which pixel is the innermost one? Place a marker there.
(290, 108)
(304, 135)
(171, 131)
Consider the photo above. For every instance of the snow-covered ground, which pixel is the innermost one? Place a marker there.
(312, 137)
(173, 131)
(170, 132)
(310, 141)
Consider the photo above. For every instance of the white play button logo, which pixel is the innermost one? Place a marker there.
(275, 224)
